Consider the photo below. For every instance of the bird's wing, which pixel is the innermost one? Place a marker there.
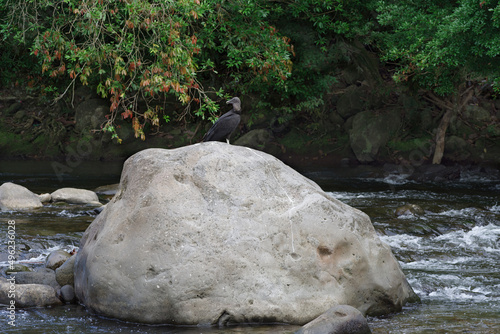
(223, 127)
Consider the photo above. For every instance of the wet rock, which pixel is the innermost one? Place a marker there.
(109, 190)
(27, 295)
(409, 209)
(45, 198)
(436, 173)
(370, 132)
(64, 274)
(340, 319)
(56, 259)
(75, 196)
(16, 197)
(43, 276)
(68, 293)
(215, 233)
(17, 268)
(256, 139)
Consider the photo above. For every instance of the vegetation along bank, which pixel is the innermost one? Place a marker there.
(327, 82)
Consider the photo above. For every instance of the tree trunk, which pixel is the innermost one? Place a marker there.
(456, 107)
(440, 137)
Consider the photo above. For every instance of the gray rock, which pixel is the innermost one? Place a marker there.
(16, 197)
(65, 274)
(56, 259)
(111, 189)
(68, 293)
(214, 233)
(74, 195)
(340, 319)
(16, 268)
(28, 295)
(43, 276)
(45, 198)
(370, 132)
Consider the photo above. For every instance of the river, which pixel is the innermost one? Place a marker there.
(450, 252)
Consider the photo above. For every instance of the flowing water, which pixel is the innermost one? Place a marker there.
(450, 252)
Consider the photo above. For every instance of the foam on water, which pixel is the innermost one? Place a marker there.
(69, 214)
(484, 237)
(396, 179)
(478, 237)
(460, 293)
(458, 213)
(495, 208)
(406, 241)
(40, 256)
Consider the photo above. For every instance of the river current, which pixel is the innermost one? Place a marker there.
(449, 251)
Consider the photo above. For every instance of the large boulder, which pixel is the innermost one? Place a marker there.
(215, 233)
(16, 197)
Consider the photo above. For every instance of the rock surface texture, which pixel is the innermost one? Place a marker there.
(214, 234)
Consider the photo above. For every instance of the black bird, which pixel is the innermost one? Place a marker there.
(226, 124)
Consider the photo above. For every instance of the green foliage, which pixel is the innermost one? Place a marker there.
(145, 50)
(15, 59)
(409, 145)
(439, 45)
(316, 29)
(197, 51)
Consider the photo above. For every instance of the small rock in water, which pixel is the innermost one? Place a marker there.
(340, 319)
(409, 209)
(45, 198)
(68, 293)
(56, 259)
(16, 268)
(64, 274)
(28, 295)
(16, 197)
(109, 190)
(75, 196)
(43, 276)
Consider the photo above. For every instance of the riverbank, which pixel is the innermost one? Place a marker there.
(398, 129)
